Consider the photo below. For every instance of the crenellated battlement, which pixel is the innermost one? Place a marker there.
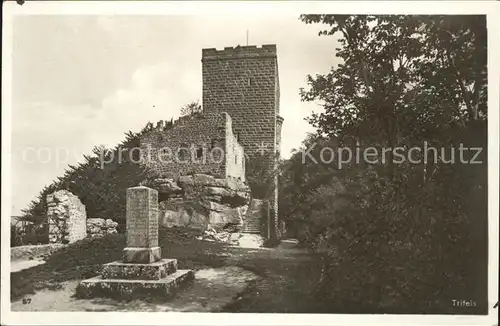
(238, 52)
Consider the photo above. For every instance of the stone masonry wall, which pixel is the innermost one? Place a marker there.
(99, 227)
(202, 143)
(66, 216)
(235, 155)
(244, 82)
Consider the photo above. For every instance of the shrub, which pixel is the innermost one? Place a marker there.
(393, 246)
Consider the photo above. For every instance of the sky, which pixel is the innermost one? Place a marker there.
(81, 81)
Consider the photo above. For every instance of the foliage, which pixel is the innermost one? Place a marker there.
(400, 238)
(261, 174)
(16, 236)
(401, 76)
(192, 108)
(83, 259)
(100, 182)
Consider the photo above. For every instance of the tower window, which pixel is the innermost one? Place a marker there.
(249, 79)
(199, 152)
(183, 153)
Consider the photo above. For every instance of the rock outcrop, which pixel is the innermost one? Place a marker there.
(66, 216)
(99, 227)
(202, 201)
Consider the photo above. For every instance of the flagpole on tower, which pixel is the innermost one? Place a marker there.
(247, 37)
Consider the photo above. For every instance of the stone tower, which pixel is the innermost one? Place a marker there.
(243, 81)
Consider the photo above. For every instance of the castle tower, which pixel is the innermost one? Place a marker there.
(243, 81)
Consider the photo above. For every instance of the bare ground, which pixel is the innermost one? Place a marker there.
(211, 290)
(227, 279)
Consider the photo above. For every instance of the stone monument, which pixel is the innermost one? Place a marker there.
(142, 269)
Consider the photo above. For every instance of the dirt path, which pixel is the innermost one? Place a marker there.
(249, 280)
(288, 275)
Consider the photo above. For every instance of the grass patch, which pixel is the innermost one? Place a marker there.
(284, 284)
(84, 259)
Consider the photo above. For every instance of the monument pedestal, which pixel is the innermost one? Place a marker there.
(127, 280)
(142, 270)
(141, 255)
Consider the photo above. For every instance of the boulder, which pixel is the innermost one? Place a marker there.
(224, 215)
(237, 184)
(203, 179)
(200, 200)
(181, 216)
(227, 196)
(218, 191)
(97, 222)
(185, 181)
(214, 206)
(111, 224)
(165, 186)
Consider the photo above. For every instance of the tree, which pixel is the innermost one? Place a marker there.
(398, 71)
(402, 80)
(100, 181)
(191, 108)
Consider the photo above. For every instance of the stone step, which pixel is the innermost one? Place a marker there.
(253, 231)
(131, 271)
(127, 288)
(251, 224)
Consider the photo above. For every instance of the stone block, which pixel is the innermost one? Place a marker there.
(141, 255)
(131, 289)
(153, 271)
(142, 217)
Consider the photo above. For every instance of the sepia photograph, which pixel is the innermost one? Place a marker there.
(264, 162)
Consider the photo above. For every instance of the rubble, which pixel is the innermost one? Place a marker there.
(99, 227)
